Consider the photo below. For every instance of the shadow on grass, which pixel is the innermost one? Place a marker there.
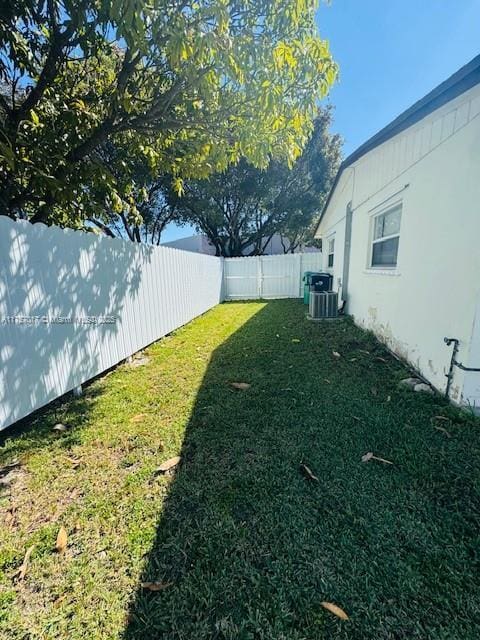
(251, 547)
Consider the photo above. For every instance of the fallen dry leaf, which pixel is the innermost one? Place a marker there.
(369, 456)
(171, 463)
(336, 610)
(295, 340)
(156, 586)
(336, 354)
(62, 540)
(60, 427)
(443, 430)
(58, 601)
(138, 418)
(74, 493)
(240, 385)
(308, 472)
(138, 361)
(10, 517)
(380, 359)
(75, 462)
(327, 381)
(22, 570)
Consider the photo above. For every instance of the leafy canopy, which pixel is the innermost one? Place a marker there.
(148, 211)
(243, 208)
(186, 87)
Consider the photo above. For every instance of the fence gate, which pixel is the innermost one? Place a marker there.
(268, 277)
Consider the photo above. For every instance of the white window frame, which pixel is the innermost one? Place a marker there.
(382, 267)
(330, 239)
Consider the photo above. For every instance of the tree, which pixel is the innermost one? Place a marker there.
(316, 170)
(188, 86)
(299, 232)
(142, 222)
(242, 209)
(144, 213)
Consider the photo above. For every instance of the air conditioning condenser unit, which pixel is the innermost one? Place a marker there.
(323, 305)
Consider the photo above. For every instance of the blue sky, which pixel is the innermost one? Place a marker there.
(391, 53)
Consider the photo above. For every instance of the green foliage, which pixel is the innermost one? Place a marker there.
(143, 213)
(187, 88)
(241, 209)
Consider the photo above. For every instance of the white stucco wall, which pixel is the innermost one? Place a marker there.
(335, 228)
(433, 168)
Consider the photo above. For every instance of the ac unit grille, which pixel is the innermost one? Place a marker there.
(323, 304)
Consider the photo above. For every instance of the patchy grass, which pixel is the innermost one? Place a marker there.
(250, 545)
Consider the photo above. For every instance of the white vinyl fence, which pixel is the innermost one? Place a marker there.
(268, 276)
(73, 304)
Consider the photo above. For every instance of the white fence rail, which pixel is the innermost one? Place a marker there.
(268, 276)
(73, 304)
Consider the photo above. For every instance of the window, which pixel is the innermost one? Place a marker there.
(386, 234)
(331, 252)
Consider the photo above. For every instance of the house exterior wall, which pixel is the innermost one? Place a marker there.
(335, 228)
(433, 169)
(471, 388)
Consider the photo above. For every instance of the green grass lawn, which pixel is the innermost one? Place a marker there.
(250, 547)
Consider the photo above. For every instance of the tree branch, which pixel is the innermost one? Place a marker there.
(103, 227)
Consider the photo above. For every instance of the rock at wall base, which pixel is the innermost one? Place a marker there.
(422, 387)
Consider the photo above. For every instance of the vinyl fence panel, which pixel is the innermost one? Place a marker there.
(268, 277)
(74, 304)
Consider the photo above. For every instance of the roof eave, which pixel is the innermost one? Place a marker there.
(461, 81)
